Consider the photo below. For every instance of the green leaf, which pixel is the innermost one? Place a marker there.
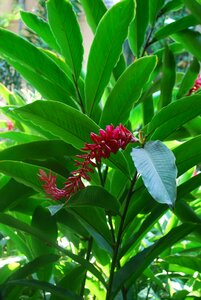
(137, 264)
(172, 6)
(22, 226)
(94, 196)
(94, 11)
(38, 150)
(20, 137)
(190, 262)
(154, 8)
(66, 31)
(194, 8)
(127, 91)
(43, 221)
(189, 78)
(156, 163)
(33, 62)
(10, 97)
(105, 50)
(191, 40)
(138, 26)
(41, 27)
(63, 121)
(175, 26)
(168, 77)
(45, 286)
(173, 116)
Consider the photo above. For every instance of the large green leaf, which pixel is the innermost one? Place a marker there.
(41, 27)
(137, 264)
(154, 9)
(173, 116)
(28, 57)
(189, 78)
(190, 262)
(20, 137)
(127, 91)
(156, 163)
(138, 26)
(94, 196)
(63, 121)
(168, 77)
(191, 40)
(105, 50)
(176, 26)
(65, 28)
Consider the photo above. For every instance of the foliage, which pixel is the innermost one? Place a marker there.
(130, 229)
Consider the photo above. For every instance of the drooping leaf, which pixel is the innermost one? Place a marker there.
(127, 91)
(41, 27)
(94, 196)
(190, 262)
(189, 78)
(66, 31)
(105, 50)
(173, 116)
(156, 163)
(138, 26)
(168, 77)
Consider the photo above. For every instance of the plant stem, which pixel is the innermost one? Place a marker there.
(88, 253)
(78, 94)
(119, 239)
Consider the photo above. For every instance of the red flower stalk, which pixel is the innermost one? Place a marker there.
(197, 85)
(10, 125)
(109, 141)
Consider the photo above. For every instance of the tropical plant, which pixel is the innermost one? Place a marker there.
(100, 179)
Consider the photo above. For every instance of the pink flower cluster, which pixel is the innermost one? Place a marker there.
(109, 141)
(196, 86)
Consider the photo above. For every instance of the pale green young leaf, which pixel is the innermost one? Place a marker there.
(156, 163)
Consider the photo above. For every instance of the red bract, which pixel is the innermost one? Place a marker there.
(196, 86)
(109, 141)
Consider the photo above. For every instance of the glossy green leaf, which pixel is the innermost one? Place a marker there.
(154, 9)
(189, 78)
(172, 6)
(94, 196)
(190, 262)
(63, 121)
(20, 137)
(94, 11)
(191, 40)
(173, 116)
(45, 286)
(175, 26)
(168, 77)
(29, 58)
(66, 31)
(137, 264)
(41, 27)
(105, 50)
(22, 226)
(156, 163)
(127, 91)
(195, 8)
(138, 26)
(38, 150)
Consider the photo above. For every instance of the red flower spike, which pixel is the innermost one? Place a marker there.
(197, 85)
(108, 141)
